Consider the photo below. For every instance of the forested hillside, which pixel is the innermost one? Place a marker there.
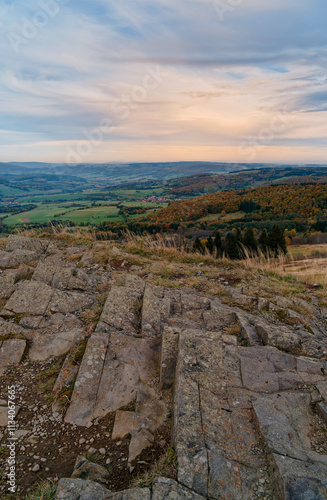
(282, 200)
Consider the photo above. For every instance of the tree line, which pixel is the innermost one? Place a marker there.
(237, 245)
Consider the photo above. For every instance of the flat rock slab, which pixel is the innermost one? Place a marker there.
(321, 409)
(300, 480)
(7, 283)
(54, 272)
(78, 489)
(266, 369)
(122, 308)
(167, 489)
(11, 352)
(150, 410)
(214, 423)
(284, 420)
(141, 440)
(63, 275)
(322, 388)
(84, 397)
(15, 242)
(143, 354)
(31, 298)
(117, 388)
(218, 316)
(248, 331)
(149, 415)
(189, 439)
(68, 302)
(155, 310)
(57, 344)
(12, 259)
(38, 299)
(125, 423)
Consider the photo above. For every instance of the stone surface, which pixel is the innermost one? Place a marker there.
(57, 344)
(284, 420)
(122, 308)
(15, 242)
(156, 309)
(30, 298)
(68, 302)
(11, 352)
(322, 411)
(143, 354)
(54, 272)
(140, 440)
(125, 422)
(248, 332)
(249, 390)
(167, 489)
(83, 401)
(84, 469)
(322, 388)
(66, 376)
(168, 360)
(78, 489)
(117, 387)
(301, 480)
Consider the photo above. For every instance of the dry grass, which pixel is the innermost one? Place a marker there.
(308, 270)
(168, 247)
(166, 466)
(45, 491)
(312, 271)
(47, 378)
(71, 235)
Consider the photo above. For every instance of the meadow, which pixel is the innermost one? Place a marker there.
(85, 207)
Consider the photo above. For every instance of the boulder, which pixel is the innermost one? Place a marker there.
(86, 470)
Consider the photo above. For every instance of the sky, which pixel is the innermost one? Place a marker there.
(163, 80)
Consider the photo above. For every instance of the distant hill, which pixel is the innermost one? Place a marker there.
(112, 173)
(208, 183)
(283, 200)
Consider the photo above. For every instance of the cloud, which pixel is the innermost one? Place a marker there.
(225, 79)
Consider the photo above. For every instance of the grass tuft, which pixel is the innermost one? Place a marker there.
(45, 491)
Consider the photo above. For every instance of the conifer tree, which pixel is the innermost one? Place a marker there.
(197, 245)
(239, 236)
(276, 241)
(263, 241)
(249, 240)
(232, 248)
(210, 244)
(218, 244)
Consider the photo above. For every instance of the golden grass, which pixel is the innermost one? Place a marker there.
(308, 270)
(61, 233)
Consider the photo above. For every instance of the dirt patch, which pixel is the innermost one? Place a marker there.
(53, 445)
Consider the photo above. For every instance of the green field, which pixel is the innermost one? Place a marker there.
(94, 215)
(59, 212)
(84, 212)
(88, 205)
(10, 191)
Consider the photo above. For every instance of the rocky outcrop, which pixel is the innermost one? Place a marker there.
(247, 395)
